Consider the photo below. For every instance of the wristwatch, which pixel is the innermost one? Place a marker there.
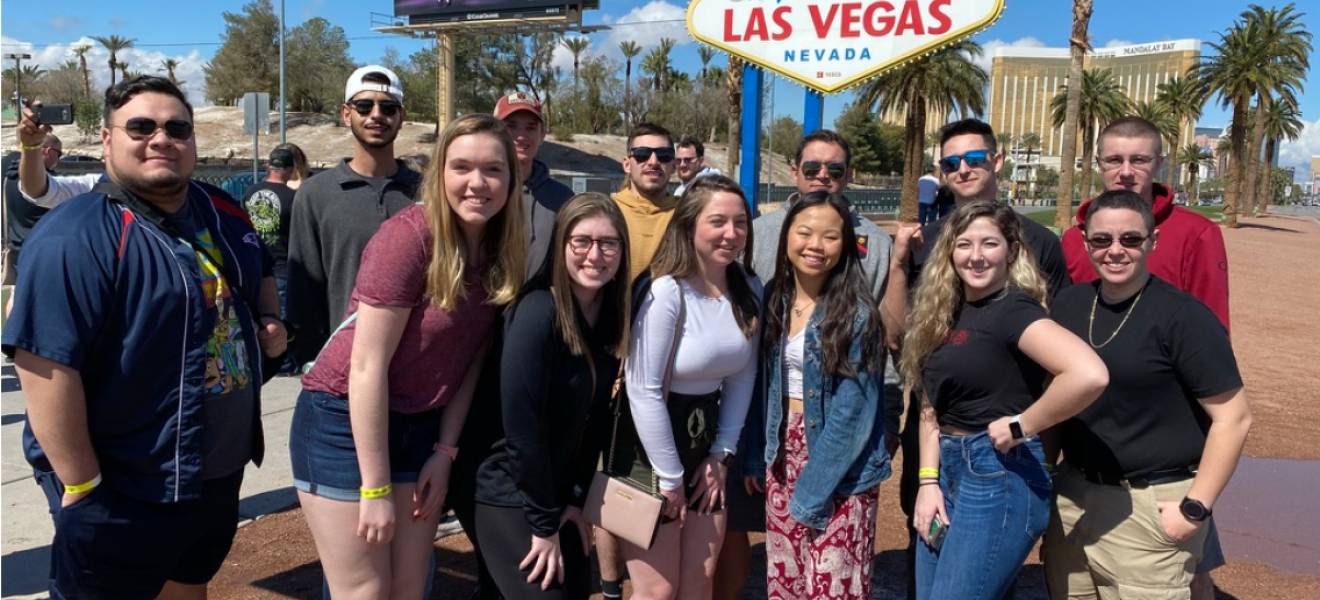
(723, 456)
(1015, 428)
(1195, 510)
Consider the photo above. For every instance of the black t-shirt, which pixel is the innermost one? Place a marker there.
(20, 214)
(1171, 352)
(1045, 247)
(270, 206)
(979, 375)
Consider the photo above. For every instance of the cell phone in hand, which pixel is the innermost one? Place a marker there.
(54, 114)
(936, 535)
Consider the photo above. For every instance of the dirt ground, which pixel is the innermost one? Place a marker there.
(1274, 287)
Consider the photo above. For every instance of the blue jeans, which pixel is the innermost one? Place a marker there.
(998, 507)
(926, 214)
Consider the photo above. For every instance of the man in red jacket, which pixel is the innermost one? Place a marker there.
(1189, 254)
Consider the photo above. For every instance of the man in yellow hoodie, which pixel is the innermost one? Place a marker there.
(645, 200)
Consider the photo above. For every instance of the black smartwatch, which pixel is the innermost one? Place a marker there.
(1194, 510)
(1015, 428)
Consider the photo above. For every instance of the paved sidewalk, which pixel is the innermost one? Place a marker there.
(26, 523)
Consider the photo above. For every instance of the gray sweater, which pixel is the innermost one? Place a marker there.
(543, 196)
(335, 214)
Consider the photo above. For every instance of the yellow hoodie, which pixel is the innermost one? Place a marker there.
(646, 225)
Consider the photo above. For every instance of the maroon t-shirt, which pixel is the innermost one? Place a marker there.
(437, 346)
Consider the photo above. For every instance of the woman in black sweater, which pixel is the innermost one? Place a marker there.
(533, 454)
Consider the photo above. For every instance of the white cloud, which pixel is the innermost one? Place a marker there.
(144, 60)
(1118, 43)
(646, 25)
(991, 46)
(1298, 153)
(562, 59)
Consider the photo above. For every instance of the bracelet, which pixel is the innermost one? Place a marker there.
(83, 487)
(31, 148)
(450, 451)
(928, 472)
(379, 492)
(928, 482)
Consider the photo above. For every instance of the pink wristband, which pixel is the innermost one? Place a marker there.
(449, 451)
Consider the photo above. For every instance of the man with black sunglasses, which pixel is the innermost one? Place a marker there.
(645, 201)
(691, 160)
(141, 317)
(336, 212)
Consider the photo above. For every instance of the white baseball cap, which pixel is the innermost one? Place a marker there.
(355, 83)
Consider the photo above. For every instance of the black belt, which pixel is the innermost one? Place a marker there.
(1141, 482)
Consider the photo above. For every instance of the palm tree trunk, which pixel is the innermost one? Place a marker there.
(1078, 44)
(627, 95)
(912, 155)
(1170, 159)
(1193, 170)
(1252, 162)
(734, 80)
(1233, 181)
(1266, 193)
(1088, 159)
(113, 63)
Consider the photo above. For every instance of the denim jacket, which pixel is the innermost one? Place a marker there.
(844, 421)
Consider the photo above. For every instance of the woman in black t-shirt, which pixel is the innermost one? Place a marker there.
(980, 344)
(1146, 462)
(530, 457)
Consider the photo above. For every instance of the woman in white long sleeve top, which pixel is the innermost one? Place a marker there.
(685, 440)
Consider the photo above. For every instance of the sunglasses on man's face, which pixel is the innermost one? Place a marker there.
(364, 107)
(834, 170)
(141, 128)
(643, 154)
(974, 158)
(1101, 241)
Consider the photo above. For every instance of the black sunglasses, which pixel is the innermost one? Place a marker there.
(643, 154)
(974, 158)
(141, 128)
(364, 107)
(811, 168)
(1127, 240)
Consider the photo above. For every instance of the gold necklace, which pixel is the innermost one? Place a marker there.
(1090, 326)
(797, 312)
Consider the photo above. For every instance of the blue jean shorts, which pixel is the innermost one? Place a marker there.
(325, 461)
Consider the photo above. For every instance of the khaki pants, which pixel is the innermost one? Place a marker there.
(1105, 542)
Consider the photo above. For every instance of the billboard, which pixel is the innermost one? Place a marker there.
(435, 11)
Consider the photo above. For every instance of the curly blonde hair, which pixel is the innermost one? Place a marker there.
(939, 296)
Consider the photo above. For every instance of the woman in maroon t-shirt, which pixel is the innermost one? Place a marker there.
(375, 428)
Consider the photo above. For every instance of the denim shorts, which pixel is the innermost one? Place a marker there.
(325, 461)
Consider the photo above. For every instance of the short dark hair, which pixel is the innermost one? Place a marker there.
(969, 127)
(827, 136)
(119, 94)
(1126, 199)
(1131, 127)
(648, 129)
(694, 143)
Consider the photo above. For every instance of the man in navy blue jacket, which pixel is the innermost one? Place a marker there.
(141, 315)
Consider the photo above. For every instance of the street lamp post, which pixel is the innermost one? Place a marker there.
(18, 59)
(282, 128)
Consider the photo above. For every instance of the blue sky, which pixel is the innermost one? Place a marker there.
(161, 31)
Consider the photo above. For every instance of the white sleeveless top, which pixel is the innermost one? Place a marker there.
(791, 364)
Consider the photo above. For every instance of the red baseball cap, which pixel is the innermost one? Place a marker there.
(515, 102)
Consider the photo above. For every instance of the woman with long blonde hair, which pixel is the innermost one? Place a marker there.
(376, 428)
(981, 346)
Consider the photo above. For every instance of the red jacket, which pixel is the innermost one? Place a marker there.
(1189, 253)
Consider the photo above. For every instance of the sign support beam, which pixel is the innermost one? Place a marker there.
(749, 166)
(813, 112)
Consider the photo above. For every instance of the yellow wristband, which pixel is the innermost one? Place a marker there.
(31, 148)
(83, 487)
(379, 492)
(928, 472)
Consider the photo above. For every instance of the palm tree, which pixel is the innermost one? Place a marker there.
(169, 65)
(630, 50)
(1284, 39)
(1194, 157)
(734, 89)
(664, 64)
(1102, 101)
(942, 80)
(1004, 140)
(1182, 97)
(576, 45)
(1158, 115)
(1079, 44)
(81, 51)
(653, 65)
(123, 70)
(706, 54)
(114, 44)
(1029, 142)
(1283, 121)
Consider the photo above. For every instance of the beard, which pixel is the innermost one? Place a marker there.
(160, 184)
(365, 138)
(646, 188)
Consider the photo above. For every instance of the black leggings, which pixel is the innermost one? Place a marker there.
(502, 539)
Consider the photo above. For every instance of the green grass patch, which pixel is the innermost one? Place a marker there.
(1211, 212)
(1044, 217)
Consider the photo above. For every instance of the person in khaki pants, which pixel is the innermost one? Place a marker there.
(1142, 466)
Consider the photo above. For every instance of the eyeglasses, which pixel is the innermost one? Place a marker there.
(142, 128)
(643, 154)
(581, 244)
(974, 158)
(1138, 162)
(364, 107)
(683, 160)
(1127, 240)
(834, 170)
(57, 151)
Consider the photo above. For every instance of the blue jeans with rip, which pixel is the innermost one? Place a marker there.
(998, 506)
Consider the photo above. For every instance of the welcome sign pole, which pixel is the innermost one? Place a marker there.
(826, 46)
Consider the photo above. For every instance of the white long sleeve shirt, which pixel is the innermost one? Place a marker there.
(713, 354)
(60, 188)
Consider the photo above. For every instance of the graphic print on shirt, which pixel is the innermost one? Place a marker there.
(264, 209)
(227, 367)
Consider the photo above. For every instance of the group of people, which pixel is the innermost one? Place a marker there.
(478, 337)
